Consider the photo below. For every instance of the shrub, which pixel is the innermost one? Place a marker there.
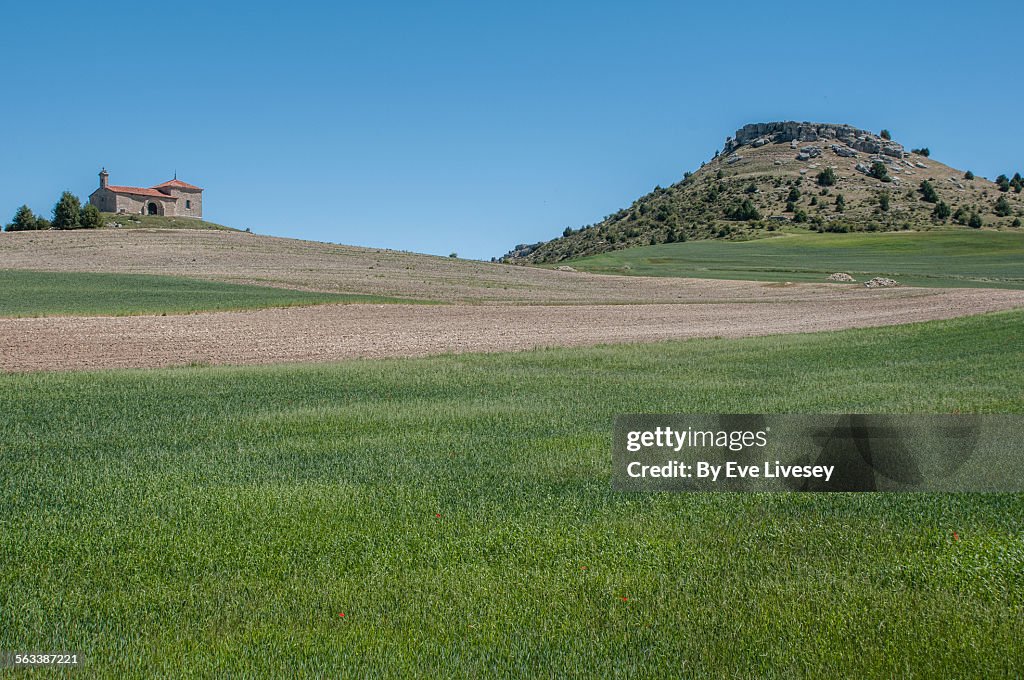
(840, 203)
(751, 188)
(68, 211)
(91, 217)
(790, 206)
(879, 171)
(814, 200)
(928, 192)
(961, 215)
(827, 177)
(885, 134)
(453, 255)
(975, 221)
(1003, 207)
(1003, 182)
(794, 195)
(24, 220)
(1016, 222)
(926, 152)
(745, 211)
(968, 175)
(942, 211)
(883, 201)
(800, 216)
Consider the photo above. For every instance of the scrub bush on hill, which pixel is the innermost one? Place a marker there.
(90, 218)
(745, 211)
(25, 220)
(827, 177)
(928, 192)
(880, 172)
(884, 201)
(67, 213)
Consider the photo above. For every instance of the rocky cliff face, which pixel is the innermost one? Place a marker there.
(758, 134)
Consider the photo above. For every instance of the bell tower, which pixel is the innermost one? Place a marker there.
(104, 177)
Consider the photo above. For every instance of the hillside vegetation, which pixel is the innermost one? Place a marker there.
(458, 513)
(160, 222)
(769, 178)
(936, 258)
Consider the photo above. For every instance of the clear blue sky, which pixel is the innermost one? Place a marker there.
(474, 126)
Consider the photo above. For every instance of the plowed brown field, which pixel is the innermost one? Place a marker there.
(335, 332)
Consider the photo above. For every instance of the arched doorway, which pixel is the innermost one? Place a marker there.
(152, 209)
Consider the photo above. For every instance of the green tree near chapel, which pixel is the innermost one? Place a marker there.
(67, 214)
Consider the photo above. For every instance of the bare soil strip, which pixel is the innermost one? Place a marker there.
(336, 332)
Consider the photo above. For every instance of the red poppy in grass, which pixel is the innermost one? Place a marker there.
(437, 515)
(341, 614)
(625, 599)
(956, 536)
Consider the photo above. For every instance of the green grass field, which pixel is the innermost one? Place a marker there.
(457, 510)
(29, 293)
(954, 258)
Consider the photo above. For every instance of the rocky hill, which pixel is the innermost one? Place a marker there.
(797, 176)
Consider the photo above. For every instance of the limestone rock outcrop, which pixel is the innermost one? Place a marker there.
(790, 131)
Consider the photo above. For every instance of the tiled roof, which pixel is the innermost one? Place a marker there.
(138, 191)
(177, 184)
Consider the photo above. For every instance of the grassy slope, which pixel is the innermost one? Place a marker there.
(28, 293)
(458, 511)
(161, 222)
(948, 258)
